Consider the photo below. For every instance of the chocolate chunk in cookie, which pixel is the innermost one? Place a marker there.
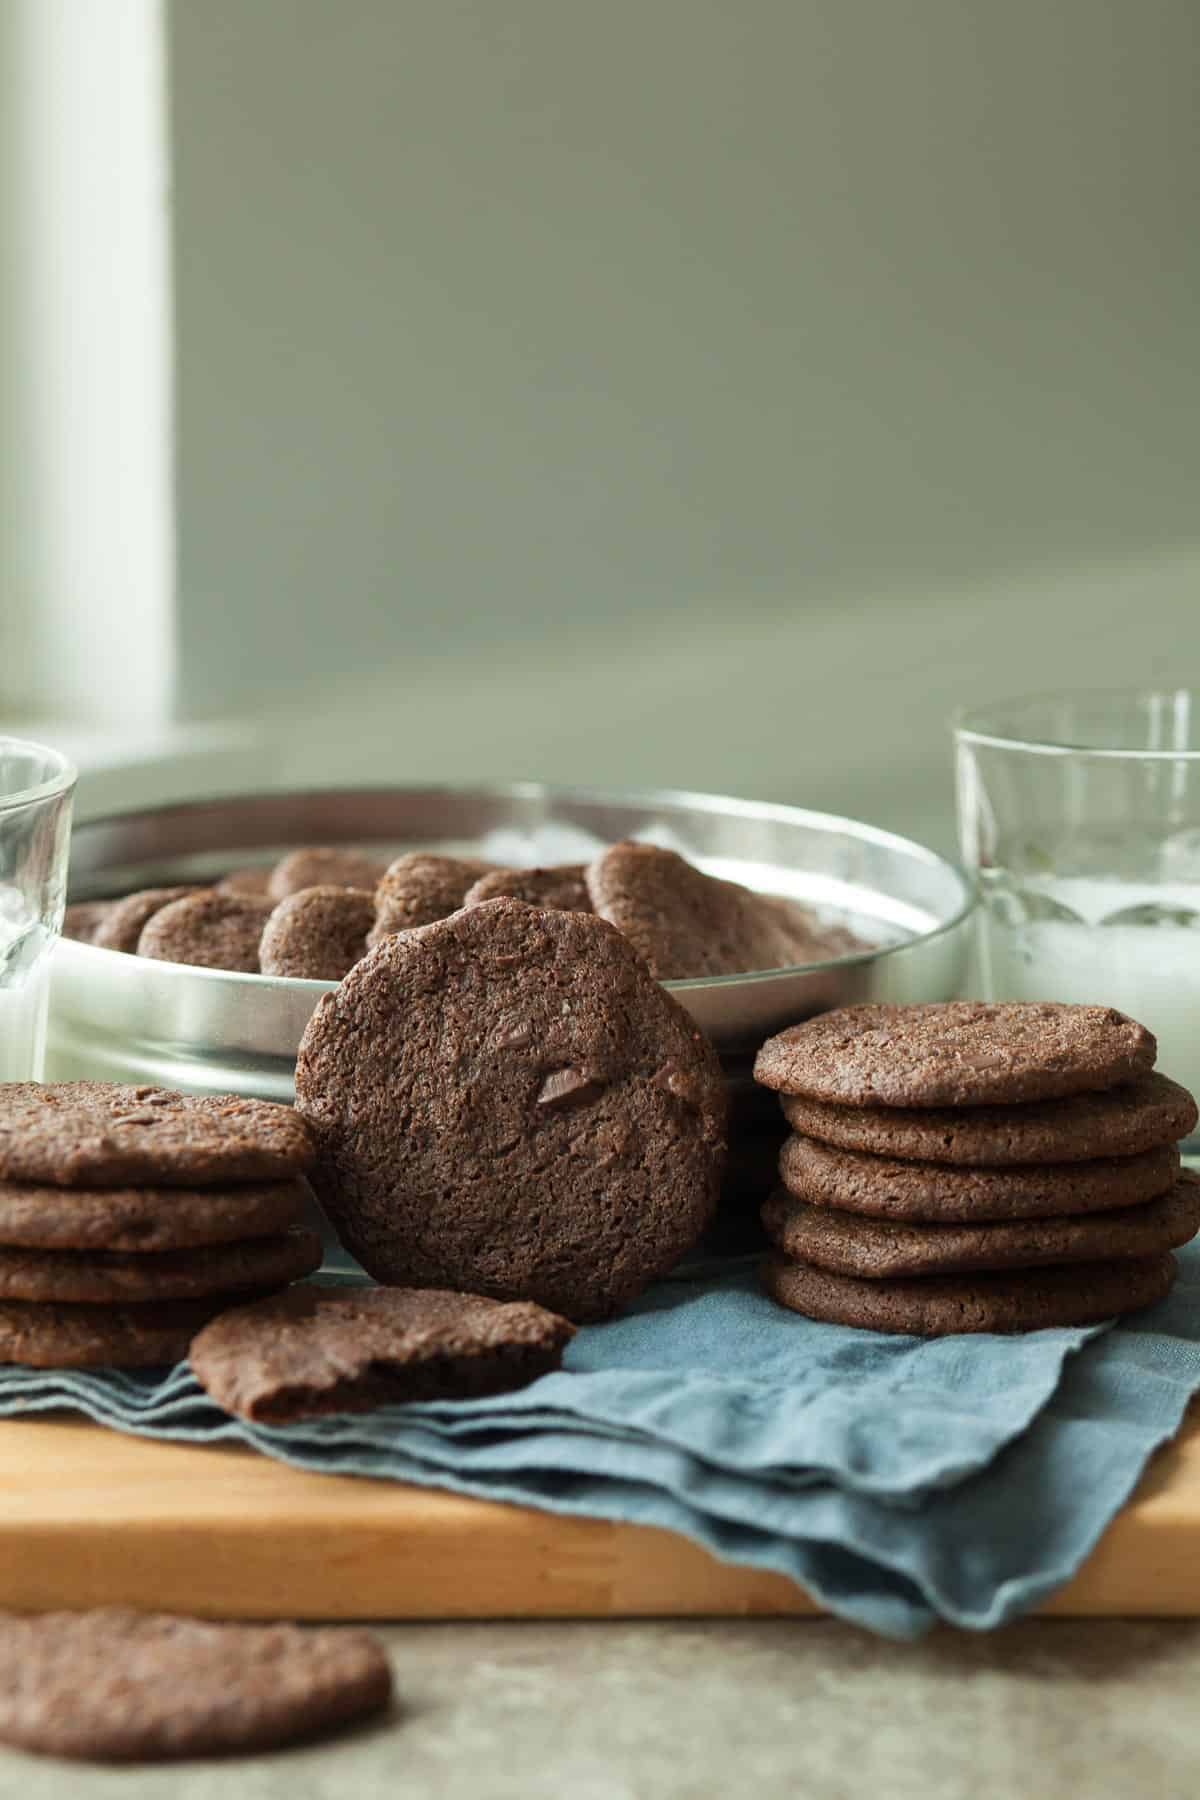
(319, 1350)
(562, 887)
(1121, 1121)
(323, 867)
(419, 888)
(955, 1053)
(115, 1278)
(37, 1216)
(688, 924)
(122, 926)
(942, 1305)
(878, 1249)
(118, 1686)
(317, 934)
(943, 1193)
(112, 1134)
(209, 930)
(507, 1104)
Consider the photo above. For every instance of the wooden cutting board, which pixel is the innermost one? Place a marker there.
(89, 1517)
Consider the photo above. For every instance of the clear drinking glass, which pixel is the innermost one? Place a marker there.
(1081, 815)
(36, 789)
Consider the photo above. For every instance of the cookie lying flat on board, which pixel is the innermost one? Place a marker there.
(1121, 1121)
(886, 1188)
(941, 1305)
(254, 881)
(36, 1216)
(208, 931)
(419, 888)
(323, 867)
(318, 933)
(118, 1686)
(122, 927)
(44, 1335)
(686, 923)
(875, 1249)
(118, 1278)
(506, 1103)
(113, 1134)
(561, 886)
(317, 1350)
(955, 1053)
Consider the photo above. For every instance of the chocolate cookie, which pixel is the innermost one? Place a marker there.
(943, 1192)
(253, 881)
(44, 1336)
(420, 888)
(1122, 1121)
(507, 1104)
(109, 1134)
(84, 918)
(323, 868)
(147, 1219)
(121, 927)
(320, 1350)
(941, 1305)
(112, 1278)
(318, 933)
(209, 930)
(118, 1686)
(955, 1053)
(877, 1249)
(562, 887)
(687, 924)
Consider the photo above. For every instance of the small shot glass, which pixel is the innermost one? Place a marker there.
(37, 786)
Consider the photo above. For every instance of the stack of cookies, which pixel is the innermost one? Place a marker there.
(130, 1216)
(975, 1167)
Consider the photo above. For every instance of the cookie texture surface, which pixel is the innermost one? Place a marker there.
(419, 888)
(115, 1134)
(119, 1278)
(942, 1305)
(878, 1249)
(320, 866)
(955, 1053)
(118, 1686)
(1121, 1121)
(853, 1181)
(121, 928)
(506, 1103)
(319, 1350)
(318, 933)
(37, 1216)
(208, 930)
(561, 886)
(255, 881)
(83, 919)
(687, 924)
(44, 1335)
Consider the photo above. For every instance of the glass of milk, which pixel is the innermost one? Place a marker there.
(36, 789)
(1081, 815)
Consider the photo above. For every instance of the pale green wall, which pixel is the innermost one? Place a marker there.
(503, 319)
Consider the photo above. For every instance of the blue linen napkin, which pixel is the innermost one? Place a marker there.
(899, 1481)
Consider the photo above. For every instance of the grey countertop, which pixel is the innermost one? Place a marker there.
(679, 1710)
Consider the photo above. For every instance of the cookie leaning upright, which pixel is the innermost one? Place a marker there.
(505, 1102)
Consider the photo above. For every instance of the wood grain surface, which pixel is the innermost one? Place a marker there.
(90, 1517)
